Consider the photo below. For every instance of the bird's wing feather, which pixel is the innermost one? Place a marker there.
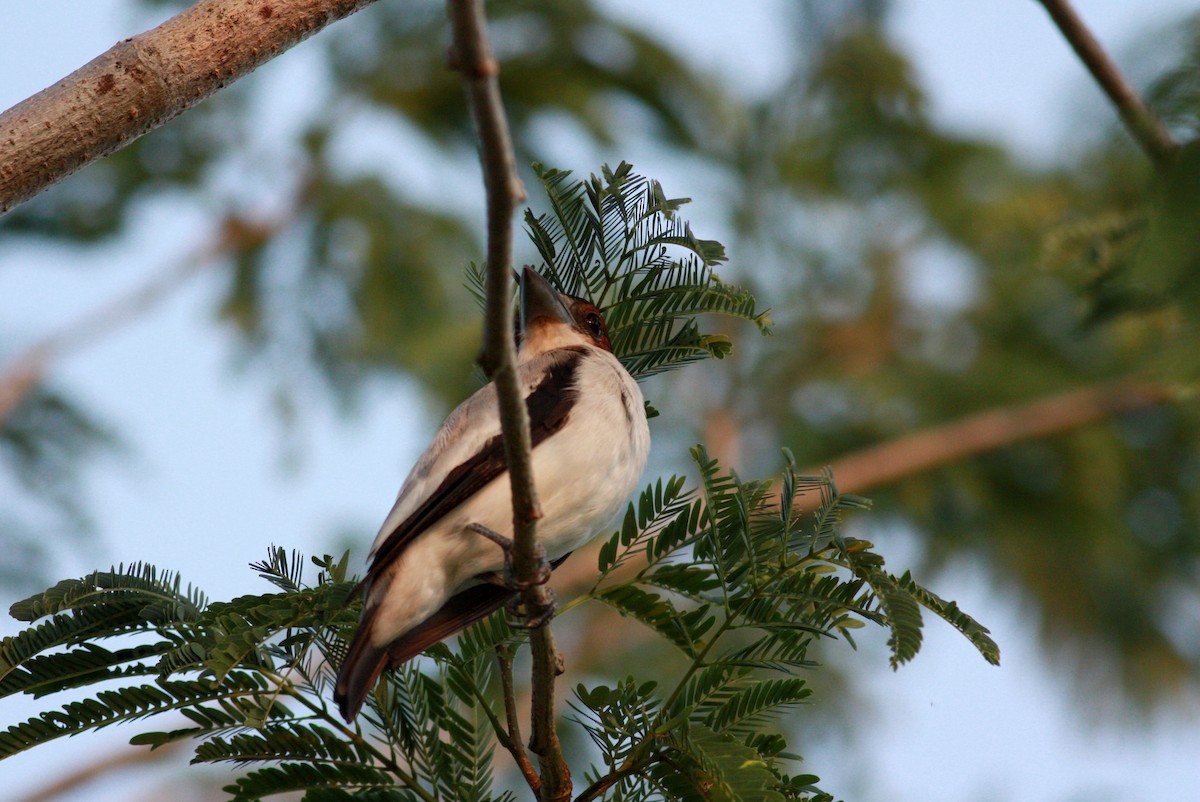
(364, 662)
(468, 451)
(463, 609)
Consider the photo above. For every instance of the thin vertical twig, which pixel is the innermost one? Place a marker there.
(513, 741)
(1146, 128)
(471, 55)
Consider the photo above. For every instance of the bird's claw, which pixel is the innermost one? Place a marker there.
(527, 617)
(540, 577)
(532, 618)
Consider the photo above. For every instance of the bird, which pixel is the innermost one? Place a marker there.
(432, 571)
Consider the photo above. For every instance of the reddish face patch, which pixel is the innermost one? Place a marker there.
(589, 321)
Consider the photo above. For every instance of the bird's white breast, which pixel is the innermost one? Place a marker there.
(583, 473)
(586, 471)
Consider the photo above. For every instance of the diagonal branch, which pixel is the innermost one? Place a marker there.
(79, 778)
(144, 81)
(1146, 128)
(27, 370)
(985, 431)
(471, 55)
(944, 444)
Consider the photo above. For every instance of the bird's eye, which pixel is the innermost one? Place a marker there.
(595, 325)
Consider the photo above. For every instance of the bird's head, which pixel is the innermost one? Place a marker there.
(551, 319)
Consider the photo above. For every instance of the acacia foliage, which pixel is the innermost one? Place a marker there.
(731, 574)
(847, 201)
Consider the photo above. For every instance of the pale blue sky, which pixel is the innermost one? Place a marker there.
(204, 476)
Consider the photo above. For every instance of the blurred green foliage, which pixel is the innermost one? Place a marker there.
(916, 275)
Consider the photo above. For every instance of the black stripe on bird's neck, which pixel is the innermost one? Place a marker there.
(551, 401)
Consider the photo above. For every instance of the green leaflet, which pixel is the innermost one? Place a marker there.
(743, 713)
(310, 743)
(87, 664)
(307, 776)
(140, 584)
(742, 583)
(724, 769)
(618, 240)
(126, 704)
(949, 612)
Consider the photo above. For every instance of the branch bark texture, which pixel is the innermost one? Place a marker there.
(472, 56)
(976, 434)
(1147, 130)
(142, 82)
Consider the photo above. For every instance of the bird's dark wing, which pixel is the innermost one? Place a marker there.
(549, 405)
(463, 609)
(364, 662)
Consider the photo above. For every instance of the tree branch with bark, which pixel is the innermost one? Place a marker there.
(936, 446)
(1147, 130)
(146, 80)
(472, 56)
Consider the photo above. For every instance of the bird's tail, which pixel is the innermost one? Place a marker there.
(364, 662)
(358, 674)
(463, 609)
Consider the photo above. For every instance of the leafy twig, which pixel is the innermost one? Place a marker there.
(471, 55)
(1146, 128)
(408, 779)
(600, 786)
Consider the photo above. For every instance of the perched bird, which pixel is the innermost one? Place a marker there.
(431, 572)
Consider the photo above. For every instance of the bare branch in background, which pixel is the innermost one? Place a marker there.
(471, 55)
(26, 371)
(1147, 129)
(944, 444)
(126, 758)
(931, 448)
(144, 81)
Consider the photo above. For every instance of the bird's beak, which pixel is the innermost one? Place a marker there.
(541, 302)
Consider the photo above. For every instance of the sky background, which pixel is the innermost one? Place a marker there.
(207, 479)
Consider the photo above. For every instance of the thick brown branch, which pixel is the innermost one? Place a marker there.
(976, 434)
(1147, 129)
(471, 55)
(143, 82)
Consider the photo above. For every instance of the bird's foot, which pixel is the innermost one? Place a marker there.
(529, 617)
(509, 579)
(526, 616)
